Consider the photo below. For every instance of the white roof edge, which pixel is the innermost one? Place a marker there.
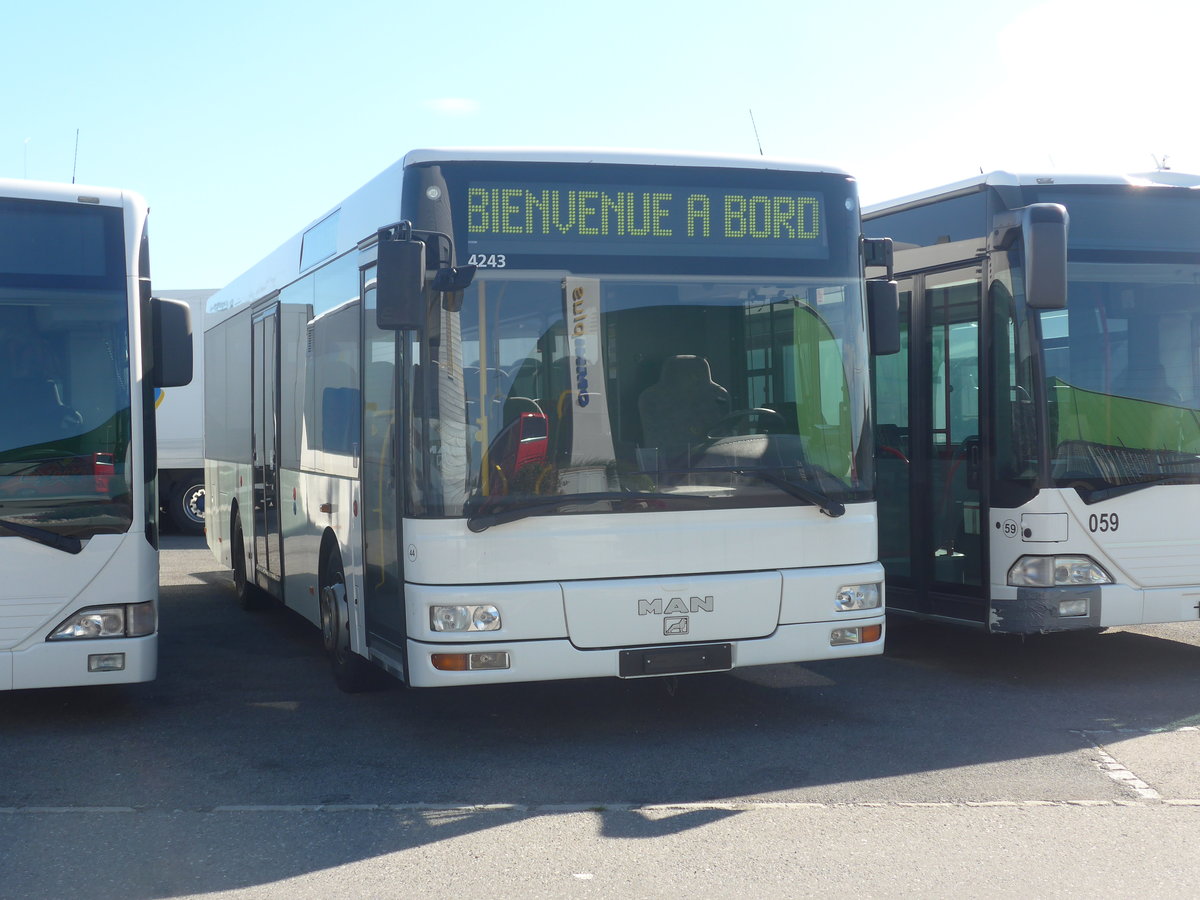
(1009, 179)
(25, 189)
(612, 157)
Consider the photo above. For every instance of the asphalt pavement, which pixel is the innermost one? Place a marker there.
(955, 765)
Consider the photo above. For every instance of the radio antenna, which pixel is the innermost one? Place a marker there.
(754, 125)
(75, 162)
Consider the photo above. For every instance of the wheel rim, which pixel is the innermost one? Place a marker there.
(192, 504)
(329, 618)
(334, 632)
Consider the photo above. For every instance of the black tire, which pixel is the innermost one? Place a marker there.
(186, 507)
(248, 595)
(351, 672)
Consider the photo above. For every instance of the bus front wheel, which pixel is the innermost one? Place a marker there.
(351, 672)
(248, 595)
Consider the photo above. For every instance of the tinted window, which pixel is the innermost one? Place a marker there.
(942, 222)
(1160, 219)
(50, 244)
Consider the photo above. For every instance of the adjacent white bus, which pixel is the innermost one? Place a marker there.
(515, 416)
(1039, 434)
(82, 347)
(179, 414)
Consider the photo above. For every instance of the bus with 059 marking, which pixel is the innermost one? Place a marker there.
(1039, 433)
(82, 348)
(516, 416)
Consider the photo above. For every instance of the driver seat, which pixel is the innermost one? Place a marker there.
(682, 407)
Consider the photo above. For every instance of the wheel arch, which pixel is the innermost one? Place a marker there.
(329, 544)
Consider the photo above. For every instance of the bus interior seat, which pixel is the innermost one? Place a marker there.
(683, 406)
(514, 406)
(524, 378)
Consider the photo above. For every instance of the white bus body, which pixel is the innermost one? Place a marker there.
(1039, 455)
(180, 417)
(603, 457)
(78, 526)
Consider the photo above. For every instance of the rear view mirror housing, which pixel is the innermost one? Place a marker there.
(883, 297)
(1042, 228)
(399, 282)
(402, 262)
(883, 317)
(172, 337)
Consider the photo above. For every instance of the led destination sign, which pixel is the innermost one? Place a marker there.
(555, 219)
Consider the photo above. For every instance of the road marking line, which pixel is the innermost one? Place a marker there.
(1181, 728)
(61, 810)
(1117, 770)
(562, 808)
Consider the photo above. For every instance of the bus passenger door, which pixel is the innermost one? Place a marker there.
(953, 541)
(265, 434)
(929, 451)
(382, 577)
(893, 456)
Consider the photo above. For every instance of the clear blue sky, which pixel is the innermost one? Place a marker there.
(243, 121)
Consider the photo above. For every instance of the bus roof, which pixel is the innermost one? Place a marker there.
(22, 189)
(610, 157)
(377, 203)
(1165, 178)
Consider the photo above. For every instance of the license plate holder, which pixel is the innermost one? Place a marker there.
(676, 660)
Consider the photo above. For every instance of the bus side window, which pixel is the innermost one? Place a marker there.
(339, 419)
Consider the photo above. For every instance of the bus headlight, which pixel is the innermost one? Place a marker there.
(857, 596)
(1057, 571)
(464, 618)
(126, 620)
(861, 634)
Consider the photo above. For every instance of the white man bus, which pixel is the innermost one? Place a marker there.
(517, 416)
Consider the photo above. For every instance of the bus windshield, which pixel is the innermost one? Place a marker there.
(1121, 366)
(1123, 375)
(64, 371)
(625, 393)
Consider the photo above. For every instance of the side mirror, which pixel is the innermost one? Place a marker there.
(878, 252)
(172, 337)
(1043, 231)
(883, 317)
(399, 283)
(1046, 256)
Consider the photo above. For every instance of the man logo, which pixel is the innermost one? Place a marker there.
(675, 625)
(675, 605)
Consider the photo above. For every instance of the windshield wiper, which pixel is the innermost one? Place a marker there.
(501, 511)
(498, 513)
(42, 536)
(1107, 493)
(821, 501)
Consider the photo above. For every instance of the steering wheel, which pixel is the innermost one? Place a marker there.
(766, 417)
